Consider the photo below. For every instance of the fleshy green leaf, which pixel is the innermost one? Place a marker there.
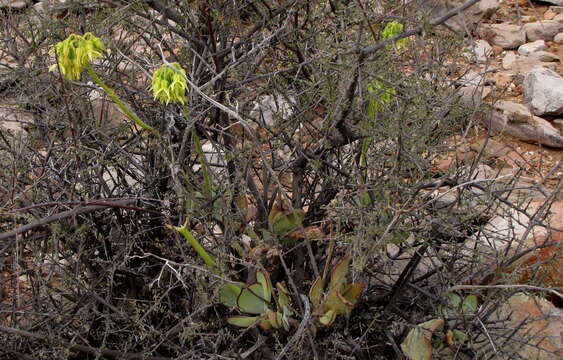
(275, 318)
(284, 222)
(338, 303)
(470, 304)
(229, 293)
(351, 292)
(283, 295)
(264, 323)
(316, 291)
(453, 300)
(418, 343)
(327, 318)
(264, 279)
(242, 321)
(460, 335)
(339, 273)
(250, 301)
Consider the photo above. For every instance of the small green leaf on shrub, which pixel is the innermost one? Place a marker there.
(399, 237)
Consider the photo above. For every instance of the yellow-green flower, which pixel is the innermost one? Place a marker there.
(391, 29)
(169, 85)
(75, 52)
(379, 94)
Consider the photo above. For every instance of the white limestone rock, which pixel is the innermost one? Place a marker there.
(506, 36)
(543, 92)
(523, 64)
(472, 16)
(516, 120)
(542, 30)
(544, 56)
(13, 4)
(480, 52)
(270, 108)
(532, 47)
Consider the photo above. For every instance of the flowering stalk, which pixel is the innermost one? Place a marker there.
(118, 101)
(75, 53)
(209, 261)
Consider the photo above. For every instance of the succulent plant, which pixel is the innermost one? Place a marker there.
(255, 299)
(340, 298)
(284, 222)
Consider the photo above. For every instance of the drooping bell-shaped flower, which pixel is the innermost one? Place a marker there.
(75, 52)
(379, 94)
(169, 85)
(391, 29)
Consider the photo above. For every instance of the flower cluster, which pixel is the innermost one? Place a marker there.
(391, 29)
(169, 85)
(76, 52)
(380, 94)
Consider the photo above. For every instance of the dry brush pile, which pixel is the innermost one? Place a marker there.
(277, 198)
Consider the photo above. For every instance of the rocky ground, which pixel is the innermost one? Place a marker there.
(513, 69)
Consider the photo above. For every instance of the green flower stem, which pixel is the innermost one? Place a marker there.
(118, 101)
(363, 158)
(209, 261)
(197, 247)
